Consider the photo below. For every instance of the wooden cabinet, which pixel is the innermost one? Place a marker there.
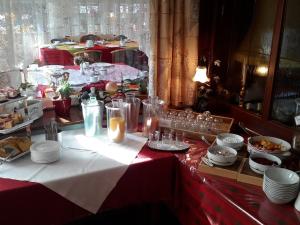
(258, 43)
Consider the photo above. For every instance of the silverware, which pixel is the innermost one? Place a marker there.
(206, 161)
(247, 130)
(203, 138)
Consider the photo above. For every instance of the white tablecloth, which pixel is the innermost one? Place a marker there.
(85, 176)
(114, 73)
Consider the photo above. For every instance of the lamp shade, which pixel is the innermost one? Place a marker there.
(201, 75)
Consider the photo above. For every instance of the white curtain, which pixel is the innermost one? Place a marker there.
(25, 25)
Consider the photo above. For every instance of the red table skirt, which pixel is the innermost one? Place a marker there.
(150, 179)
(63, 57)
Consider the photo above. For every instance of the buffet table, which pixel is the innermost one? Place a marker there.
(173, 179)
(64, 54)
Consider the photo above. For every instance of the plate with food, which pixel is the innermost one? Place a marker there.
(268, 144)
(12, 148)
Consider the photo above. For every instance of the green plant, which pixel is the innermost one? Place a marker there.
(65, 88)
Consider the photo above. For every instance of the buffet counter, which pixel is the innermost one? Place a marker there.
(174, 179)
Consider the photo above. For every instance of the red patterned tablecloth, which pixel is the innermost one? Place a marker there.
(196, 198)
(50, 56)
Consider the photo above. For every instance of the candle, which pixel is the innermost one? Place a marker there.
(116, 130)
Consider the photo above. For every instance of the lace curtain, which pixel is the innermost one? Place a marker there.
(25, 25)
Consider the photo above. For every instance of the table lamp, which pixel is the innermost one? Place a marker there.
(202, 86)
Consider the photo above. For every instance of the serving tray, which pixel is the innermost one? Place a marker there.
(17, 127)
(157, 145)
(15, 157)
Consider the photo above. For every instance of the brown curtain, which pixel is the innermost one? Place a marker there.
(174, 49)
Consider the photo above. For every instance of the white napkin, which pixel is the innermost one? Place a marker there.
(85, 177)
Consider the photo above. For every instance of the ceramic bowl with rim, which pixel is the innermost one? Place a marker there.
(221, 155)
(282, 176)
(259, 162)
(252, 148)
(230, 140)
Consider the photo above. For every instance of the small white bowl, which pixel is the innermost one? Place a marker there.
(230, 140)
(221, 155)
(259, 167)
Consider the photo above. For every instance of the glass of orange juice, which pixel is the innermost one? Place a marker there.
(116, 120)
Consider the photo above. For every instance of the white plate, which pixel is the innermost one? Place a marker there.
(68, 43)
(168, 147)
(16, 156)
(78, 47)
(100, 64)
(52, 67)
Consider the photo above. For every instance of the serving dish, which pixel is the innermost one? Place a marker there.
(221, 155)
(267, 144)
(158, 145)
(260, 162)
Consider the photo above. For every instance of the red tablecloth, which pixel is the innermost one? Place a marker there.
(153, 177)
(63, 57)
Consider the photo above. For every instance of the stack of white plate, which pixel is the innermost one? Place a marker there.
(45, 152)
(280, 185)
(230, 140)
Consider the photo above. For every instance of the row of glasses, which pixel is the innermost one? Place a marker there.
(167, 138)
(188, 120)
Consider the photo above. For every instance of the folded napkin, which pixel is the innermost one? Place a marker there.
(88, 169)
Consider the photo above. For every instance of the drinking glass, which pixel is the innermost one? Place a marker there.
(157, 135)
(132, 114)
(92, 115)
(152, 109)
(179, 138)
(165, 138)
(116, 120)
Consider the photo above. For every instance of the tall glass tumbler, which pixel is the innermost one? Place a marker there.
(132, 112)
(116, 120)
(92, 114)
(152, 109)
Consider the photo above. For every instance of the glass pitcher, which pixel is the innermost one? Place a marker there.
(132, 112)
(116, 120)
(152, 108)
(92, 111)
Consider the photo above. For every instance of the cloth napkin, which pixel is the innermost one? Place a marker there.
(88, 169)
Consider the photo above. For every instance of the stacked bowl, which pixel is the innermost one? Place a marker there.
(230, 140)
(45, 151)
(280, 185)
